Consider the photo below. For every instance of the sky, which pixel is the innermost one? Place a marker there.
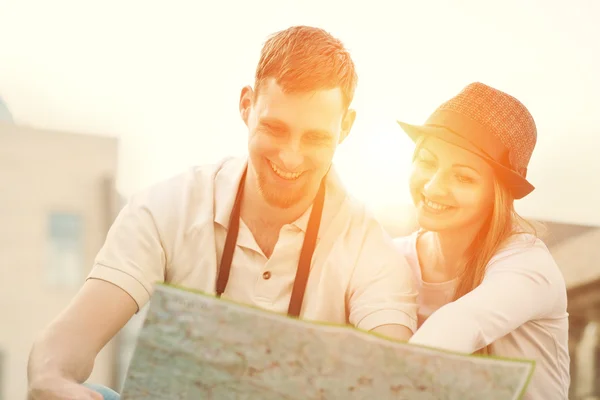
(165, 77)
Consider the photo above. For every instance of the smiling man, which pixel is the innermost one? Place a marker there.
(275, 230)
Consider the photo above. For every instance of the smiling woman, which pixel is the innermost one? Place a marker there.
(487, 283)
(435, 168)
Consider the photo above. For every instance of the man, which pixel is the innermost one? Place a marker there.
(246, 228)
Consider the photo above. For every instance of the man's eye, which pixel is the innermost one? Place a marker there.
(273, 131)
(426, 163)
(316, 139)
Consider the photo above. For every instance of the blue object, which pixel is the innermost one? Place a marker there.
(5, 115)
(107, 393)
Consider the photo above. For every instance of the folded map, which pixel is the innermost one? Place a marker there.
(196, 346)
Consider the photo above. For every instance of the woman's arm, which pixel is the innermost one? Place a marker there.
(522, 286)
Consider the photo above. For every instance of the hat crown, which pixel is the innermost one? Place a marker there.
(502, 115)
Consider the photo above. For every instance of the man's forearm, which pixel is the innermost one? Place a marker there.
(64, 355)
(53, 356)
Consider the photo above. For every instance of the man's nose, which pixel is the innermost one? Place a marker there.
(291, 156)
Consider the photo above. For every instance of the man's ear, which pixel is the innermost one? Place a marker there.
(246, 99)
(347, 123)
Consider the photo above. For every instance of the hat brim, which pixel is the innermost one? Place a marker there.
(518, 185)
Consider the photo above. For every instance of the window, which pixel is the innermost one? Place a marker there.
(65, 262)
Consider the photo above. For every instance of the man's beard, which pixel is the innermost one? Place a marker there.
(279, 198)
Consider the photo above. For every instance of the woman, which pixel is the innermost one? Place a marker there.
(486, 283)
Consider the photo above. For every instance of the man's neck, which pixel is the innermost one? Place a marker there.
(256, 209)
(265, 220)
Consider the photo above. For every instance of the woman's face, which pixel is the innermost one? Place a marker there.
(450, 187)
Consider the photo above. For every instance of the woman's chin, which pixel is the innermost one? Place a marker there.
(433, 224)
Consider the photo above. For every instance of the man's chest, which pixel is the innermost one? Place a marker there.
(264, 265)
(262, 281)
(264, 235)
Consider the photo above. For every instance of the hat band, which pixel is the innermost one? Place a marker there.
(477, 134)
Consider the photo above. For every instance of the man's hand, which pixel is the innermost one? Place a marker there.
(60, 389)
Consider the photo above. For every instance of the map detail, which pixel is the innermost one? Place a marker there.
(195, 346)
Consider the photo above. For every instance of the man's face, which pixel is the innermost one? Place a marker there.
(292, 139)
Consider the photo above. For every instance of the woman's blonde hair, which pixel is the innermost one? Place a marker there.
(502, 223)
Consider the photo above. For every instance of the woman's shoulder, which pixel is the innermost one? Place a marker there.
(526, 253)
(520, 244)
(525, 259)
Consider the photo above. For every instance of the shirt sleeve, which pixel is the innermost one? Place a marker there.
(382, 290)
(132, 256)
(524, 285)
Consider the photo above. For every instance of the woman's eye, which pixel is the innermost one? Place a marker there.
(464, 179)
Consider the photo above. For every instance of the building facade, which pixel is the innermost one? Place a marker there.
(576, 249)
(57, 201)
